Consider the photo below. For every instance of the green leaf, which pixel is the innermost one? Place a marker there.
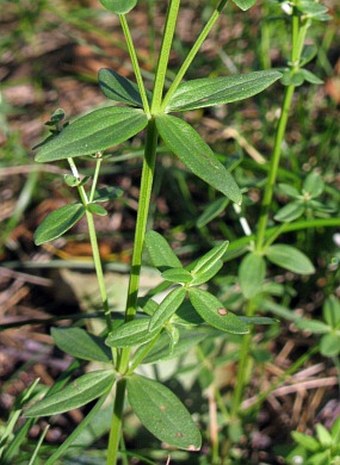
(167, 308)
(187, 339)
(314, 326)
(289, 190)
(215, 314)
(206, 274)
(331, 311)
(191, 149)
(118, 88)
(290, 258)
(206, 92)
(160, 252)
(290, 212)
(177, 275)
(58, 223)
(162, 413)
(330, 345)
(323, 435)
(80, 392)
(97, 209)
(120, 7)
(209, 259)
(81, 344)
(131, 333)
(244, 4)
(252, 272)
(313, 185)
(308, 442)
(94, 132)
(213, 210)
(311, 77)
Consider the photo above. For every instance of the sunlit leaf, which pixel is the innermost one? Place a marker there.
(193, 151)
(58, 222)
(160, 252)
(167, 308)
(162, 413)
(215, 314)
(131, 333)
(93, 133)
(244, 4)
(207, 92)
(80, 392)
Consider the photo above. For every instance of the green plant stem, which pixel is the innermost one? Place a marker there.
(298, 39)
(134, 62)
(116, 425)
(95, 248)
(162, 64)
(242, 378)
(193, 52)
(95, 177)
(136, 262)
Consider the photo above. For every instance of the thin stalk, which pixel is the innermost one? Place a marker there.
(116, 426)
(193, 52)
(99, 161)
(162, 65)
(134, 62)
(298, 38)
(274, 165)
(241, 379)
(94, 246)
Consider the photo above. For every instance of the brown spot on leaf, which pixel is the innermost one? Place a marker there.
(162, 408)
(179, 434)
(222, 311)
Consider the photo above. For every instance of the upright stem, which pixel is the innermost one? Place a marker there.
(136, 262)
(299, 32)
(116, 426)
(274, 165)
(162, 65)
(193, 52)
(135, 64)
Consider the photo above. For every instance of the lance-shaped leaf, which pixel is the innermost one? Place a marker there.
(177, 275)
(251, 274)
(167, 308)
(206, 92)
(131, 333)
(80, 392)
(120, 7)
(191, 149)
(290, 258)
(212, 211)
(209, 261)
(162, 413)
(160, 252)
(118, 88)
(215, 314)
(58, 223)
(81, 344)
(93, 133)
